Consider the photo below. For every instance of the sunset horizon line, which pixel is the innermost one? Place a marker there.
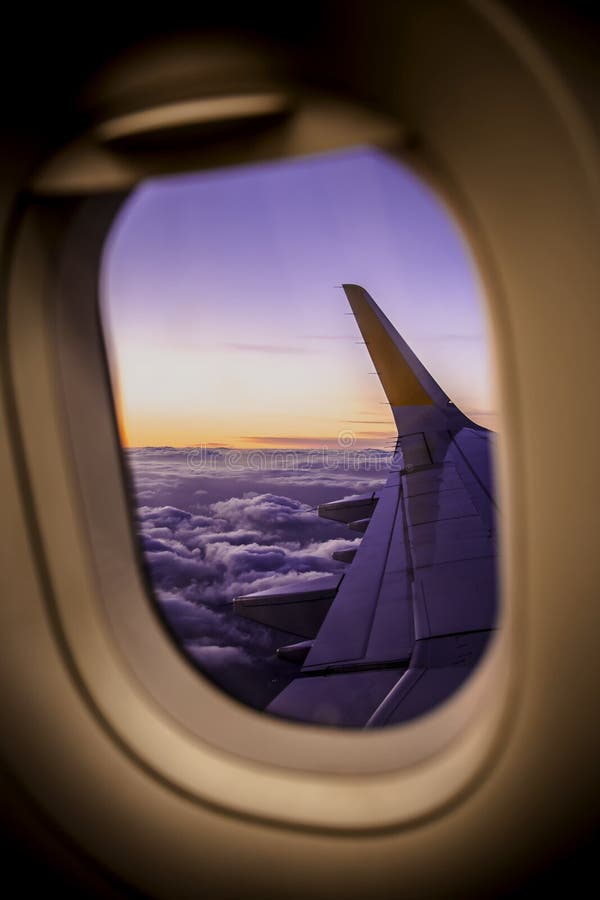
(307, 444)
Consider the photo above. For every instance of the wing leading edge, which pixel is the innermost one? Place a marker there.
(405, 625)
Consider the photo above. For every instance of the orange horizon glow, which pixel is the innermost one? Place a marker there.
(136, 433)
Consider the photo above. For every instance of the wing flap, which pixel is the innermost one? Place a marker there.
(438, 667)
(455, 597)
(350, 510)
(298, 609)
(345, 698)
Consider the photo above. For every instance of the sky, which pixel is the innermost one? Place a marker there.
(223, 320)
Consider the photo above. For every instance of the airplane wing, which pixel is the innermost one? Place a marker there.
(404, 626)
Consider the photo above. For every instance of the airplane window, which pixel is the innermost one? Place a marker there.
(316, 516)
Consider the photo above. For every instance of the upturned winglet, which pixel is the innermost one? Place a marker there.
(411, 391)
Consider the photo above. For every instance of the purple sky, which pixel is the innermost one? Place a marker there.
(223, 320)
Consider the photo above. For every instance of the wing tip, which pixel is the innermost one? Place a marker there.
(405, 380)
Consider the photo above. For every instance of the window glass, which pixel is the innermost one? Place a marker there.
(246, 398)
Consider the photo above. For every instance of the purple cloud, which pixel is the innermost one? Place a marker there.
(203, 546)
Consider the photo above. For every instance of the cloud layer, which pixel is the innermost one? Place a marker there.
(214, 531)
